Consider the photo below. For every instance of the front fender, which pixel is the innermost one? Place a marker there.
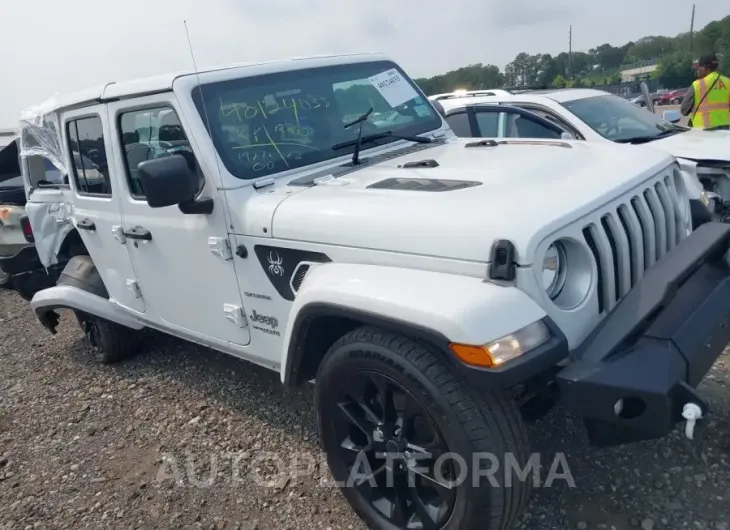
(456, 308)
(692, 182)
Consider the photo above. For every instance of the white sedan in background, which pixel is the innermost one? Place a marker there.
(594, 115)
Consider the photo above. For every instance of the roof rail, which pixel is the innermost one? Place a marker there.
(526, 88)
(470, 93)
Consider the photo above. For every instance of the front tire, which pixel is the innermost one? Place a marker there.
(381, 393)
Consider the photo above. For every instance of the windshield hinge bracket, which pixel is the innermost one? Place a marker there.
(221, 247)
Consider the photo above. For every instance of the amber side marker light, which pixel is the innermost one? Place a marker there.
(498, 352)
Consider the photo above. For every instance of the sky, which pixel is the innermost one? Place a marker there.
(60, 46)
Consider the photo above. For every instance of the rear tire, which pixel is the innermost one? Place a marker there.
(109, 341)
(377, 389)
(4, 279)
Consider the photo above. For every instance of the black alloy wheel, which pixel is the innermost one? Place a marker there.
(394, 452)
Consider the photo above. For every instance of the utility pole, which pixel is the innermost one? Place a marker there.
(691, 28)
(570, 53)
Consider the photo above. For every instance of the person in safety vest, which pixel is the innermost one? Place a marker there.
(708, 99)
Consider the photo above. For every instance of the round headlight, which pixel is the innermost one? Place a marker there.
(554, 270)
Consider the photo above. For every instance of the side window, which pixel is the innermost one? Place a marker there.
(148, 134)
(553, 118)
(459, 123)
(488, 123)
(518, 126)
(88, 156)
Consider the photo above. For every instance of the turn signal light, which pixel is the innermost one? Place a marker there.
(496, 353)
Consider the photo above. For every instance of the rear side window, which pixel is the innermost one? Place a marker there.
(88, 156)
(459, 123)
(488, 123)
(518, 126)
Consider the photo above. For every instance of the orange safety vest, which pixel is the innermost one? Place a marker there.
(711, 108)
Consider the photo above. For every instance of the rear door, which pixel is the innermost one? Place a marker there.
(497, 121)
(96, 212)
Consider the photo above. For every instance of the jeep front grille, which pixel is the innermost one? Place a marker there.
(633, 235)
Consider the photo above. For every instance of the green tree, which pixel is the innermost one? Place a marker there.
(606, 57)
(675, 70)
(650, 48)
(559, 81)
(601, 65)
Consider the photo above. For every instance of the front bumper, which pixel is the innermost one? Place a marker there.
(631, 378)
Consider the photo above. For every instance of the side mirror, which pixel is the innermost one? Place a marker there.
(168, 181)
(672, 116)
(566, 136)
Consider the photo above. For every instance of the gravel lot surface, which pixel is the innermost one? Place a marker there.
(90, 446)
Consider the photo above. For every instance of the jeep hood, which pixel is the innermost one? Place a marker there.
(517, 191)
(696, 144)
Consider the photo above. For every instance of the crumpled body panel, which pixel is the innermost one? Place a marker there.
(51, 223)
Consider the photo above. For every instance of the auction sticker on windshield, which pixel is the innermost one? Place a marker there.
(393, 87)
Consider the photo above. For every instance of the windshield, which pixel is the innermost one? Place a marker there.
(271, 123)
(617, 119)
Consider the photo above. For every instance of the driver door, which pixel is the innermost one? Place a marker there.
(185, 275)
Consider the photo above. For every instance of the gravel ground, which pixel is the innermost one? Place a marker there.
(132, 446)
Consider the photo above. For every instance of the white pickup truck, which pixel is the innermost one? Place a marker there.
(438, 290)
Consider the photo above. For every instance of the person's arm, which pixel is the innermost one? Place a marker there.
(688, 102)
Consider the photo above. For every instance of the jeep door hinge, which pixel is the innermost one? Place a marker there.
(235, 314)
(133, 286)
(220, 247)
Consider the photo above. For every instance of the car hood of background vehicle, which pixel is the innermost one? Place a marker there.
(525, 193)
(697, 145)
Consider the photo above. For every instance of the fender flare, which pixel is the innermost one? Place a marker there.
(436, 307)
(82, 289)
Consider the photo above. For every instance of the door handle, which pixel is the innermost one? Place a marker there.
(86, 224)
(138, 233)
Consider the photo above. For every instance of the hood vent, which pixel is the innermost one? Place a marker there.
(412, 184)
(420, 164)
(494, 143)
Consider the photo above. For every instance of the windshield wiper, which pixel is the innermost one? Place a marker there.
(651, 138)
(373, 137)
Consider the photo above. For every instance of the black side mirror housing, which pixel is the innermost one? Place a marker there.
(169, 181)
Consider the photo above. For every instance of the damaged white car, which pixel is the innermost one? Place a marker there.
(439, 291)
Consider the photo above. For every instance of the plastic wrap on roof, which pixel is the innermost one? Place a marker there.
(40, 135)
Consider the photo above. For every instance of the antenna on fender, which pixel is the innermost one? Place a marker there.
(202, 101)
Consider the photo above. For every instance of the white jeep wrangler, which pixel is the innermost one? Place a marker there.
(318, 217)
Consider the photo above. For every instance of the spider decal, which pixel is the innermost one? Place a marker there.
(275, 262)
